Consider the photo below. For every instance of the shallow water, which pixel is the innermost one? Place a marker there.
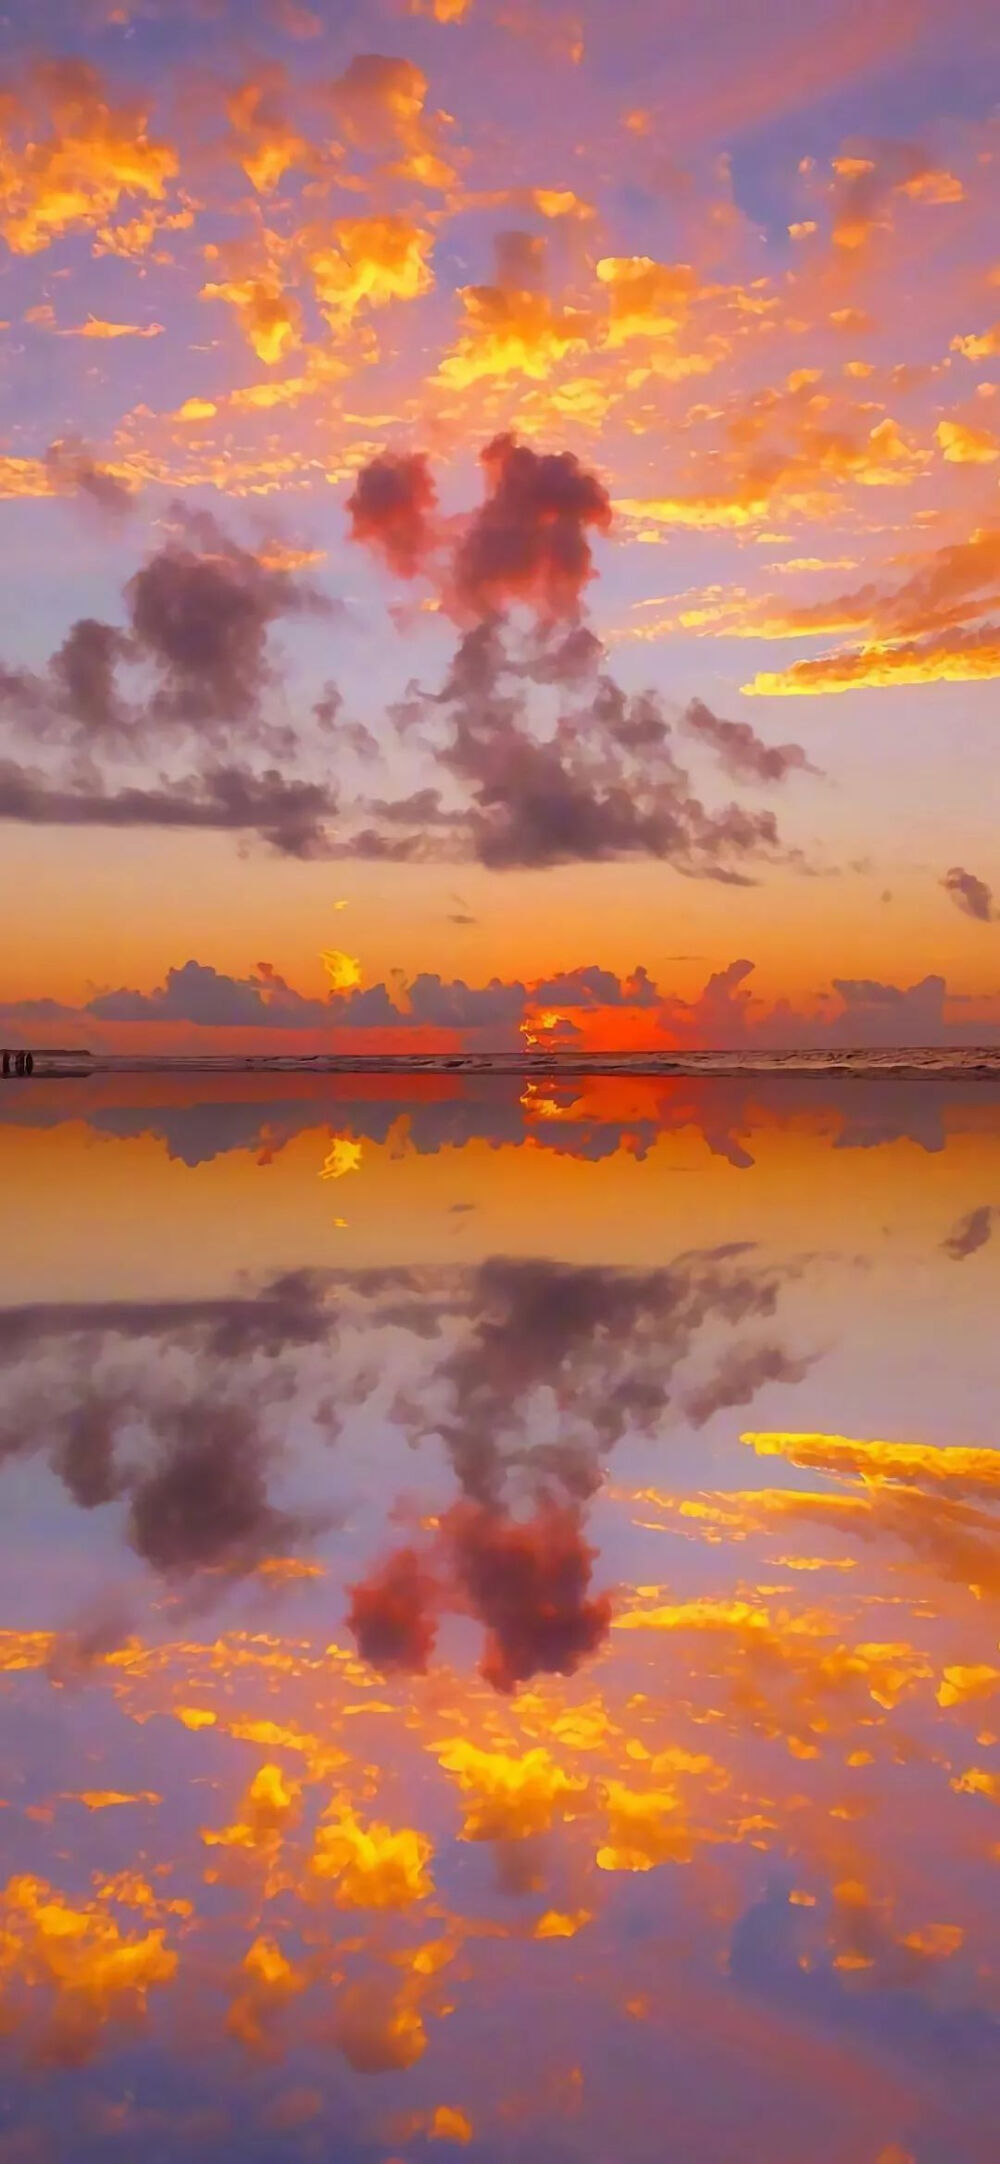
(499, 1590)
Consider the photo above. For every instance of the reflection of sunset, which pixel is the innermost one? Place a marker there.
(551, 1605)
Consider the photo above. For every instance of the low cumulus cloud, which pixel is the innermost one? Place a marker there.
(573, 1008)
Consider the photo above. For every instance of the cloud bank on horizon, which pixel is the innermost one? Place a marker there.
(440, 482)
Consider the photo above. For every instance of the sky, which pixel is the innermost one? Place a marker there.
(498, 507)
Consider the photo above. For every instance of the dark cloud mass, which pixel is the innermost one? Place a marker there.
(171, 1408)
(291, 817)
(392, 510)
(529, 541)
(969, 894)
(553, 1366)
(392, 1613)
(536, 757)
(972, 1232)
(528, 1583)
(528, 1374)
(741, 753)
(602, 780)
(84, 668)
(200, 611)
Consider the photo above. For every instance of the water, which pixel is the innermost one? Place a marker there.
(499, 1613)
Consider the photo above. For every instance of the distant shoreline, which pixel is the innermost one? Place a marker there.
(961, 1062)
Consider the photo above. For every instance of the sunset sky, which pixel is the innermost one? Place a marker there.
(500, 524)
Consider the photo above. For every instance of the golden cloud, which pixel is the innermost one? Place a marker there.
(510, 331)
(371, 1866)
(68, 155)
(269, 317)
(77, 1962)
(978, 346)
(644, 1829)
(955, 1469)
(263, 141)
(374, 260)
(646, 299)
(270, 1805)
(951, 658)
(380, 102)
(964, 445)
(268, 1980)
(94, 327)
(509, 1797)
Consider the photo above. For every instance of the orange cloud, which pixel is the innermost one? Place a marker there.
(951, 658)
(268, 1980)
(956, 1470)
(964, 1686)
(269, 317)
(371, 1866)
(645, 298)
(643, 1830)
(74, 1966)
(107, 1799)
(380, 102)
(509, 1797)
(978, 346)
(374, 260)
(379, 2032)
(270, 1805)
(95, 328)
(448, 2124)
(263, 141)
(442, 11)
(964, 445)
(865, 187)
(69, 155)
(512, 328)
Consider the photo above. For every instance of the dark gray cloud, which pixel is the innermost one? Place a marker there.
(604, 781)
(971, 1232)
(603, 784)
(83, 670)
(742, 1372)
(171, 1408)
(969, 894)
(741, 753)
(291, 817)
(200, 611)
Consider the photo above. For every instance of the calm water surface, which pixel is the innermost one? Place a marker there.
(499, 1594)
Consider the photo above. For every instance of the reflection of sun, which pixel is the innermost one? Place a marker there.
(342, 1156)
(546, 1019)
